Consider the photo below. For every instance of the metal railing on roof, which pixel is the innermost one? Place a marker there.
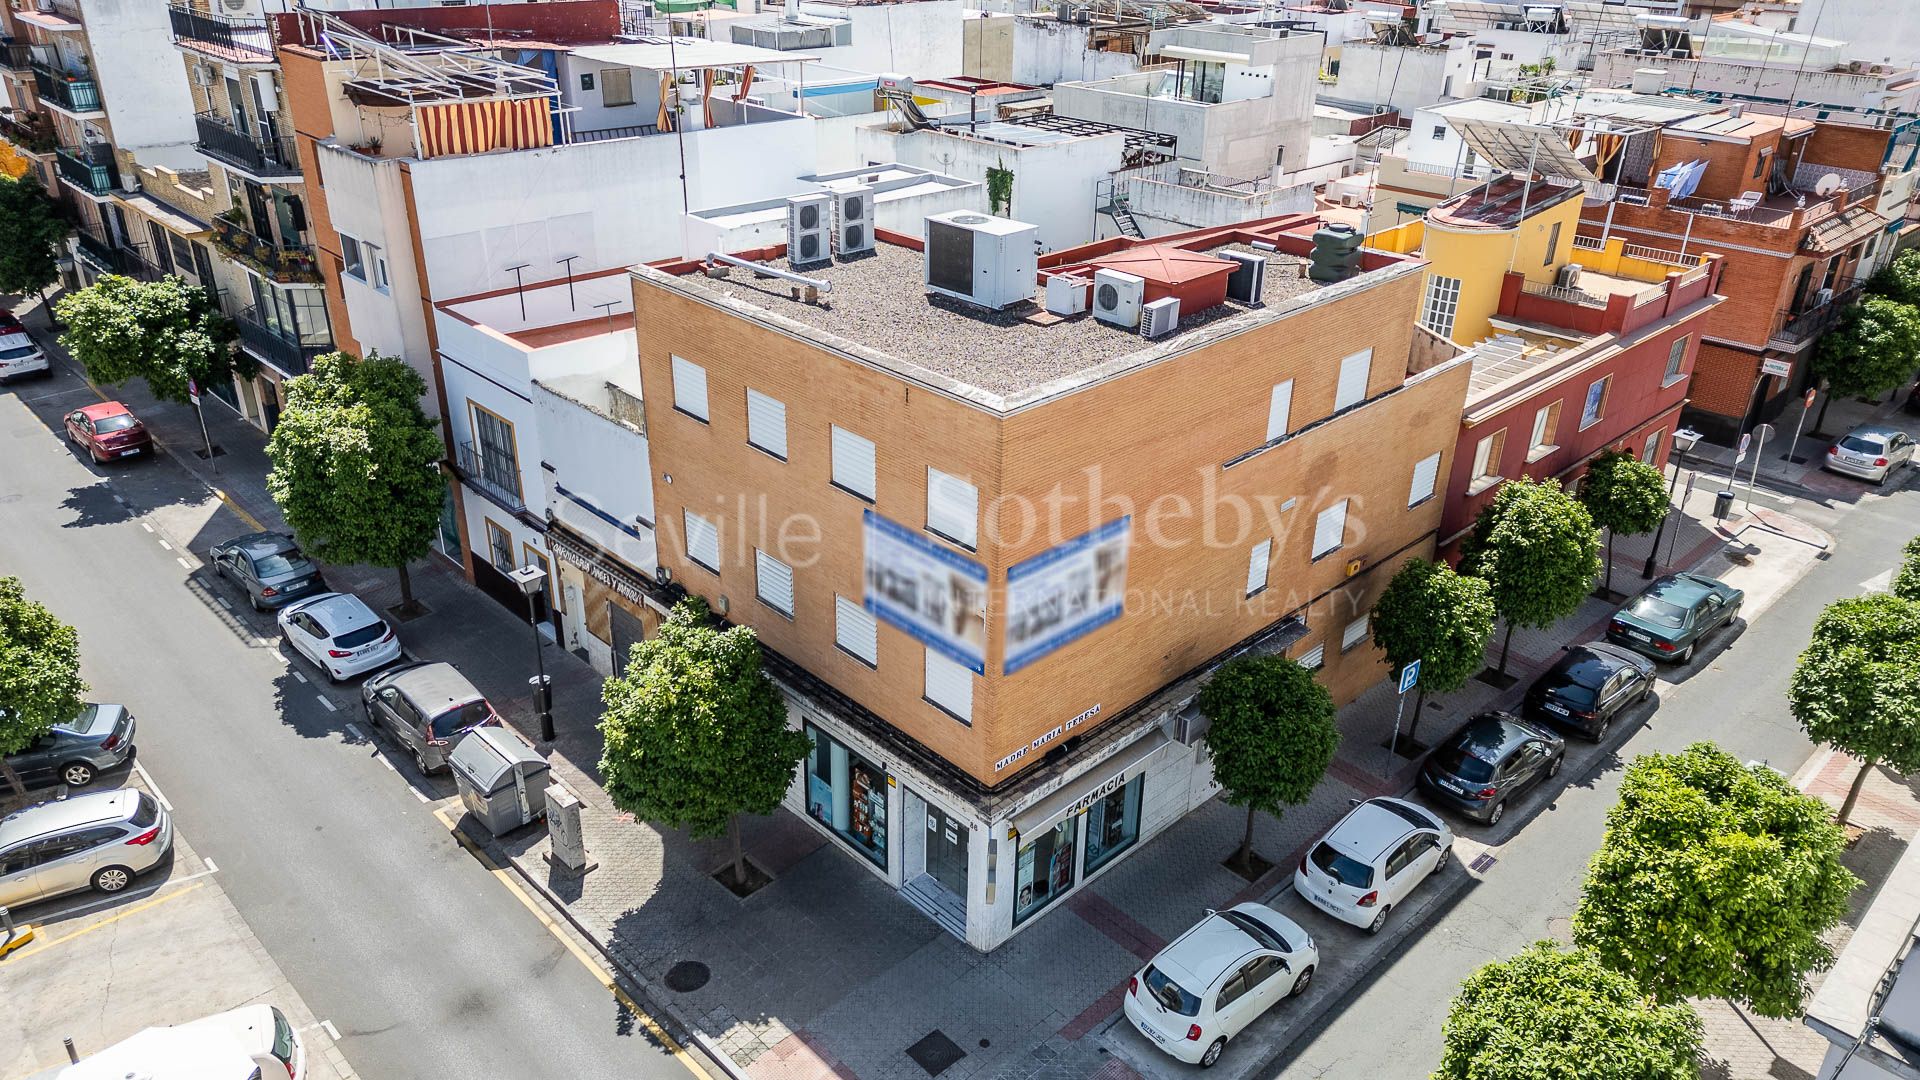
(406, 65)
(1564, 294)
(246, 40)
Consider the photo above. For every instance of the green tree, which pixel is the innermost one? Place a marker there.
(1271, 736)
(1624, 495)
(1536, 545)
(1561, 1014)
(355, 464)
(1857, 685)
(40, 683)
(1899, 280)
(1869, 351)
(696, 734)
(166, 332)
(1716, 880)
(1906, 583)
(31, 230)
(1442, 619)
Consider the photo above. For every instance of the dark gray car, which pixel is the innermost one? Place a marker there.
(427, 707)
(74, 753)
(269, 568)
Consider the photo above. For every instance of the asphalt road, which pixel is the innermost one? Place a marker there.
(427, 966)
(1735, 697)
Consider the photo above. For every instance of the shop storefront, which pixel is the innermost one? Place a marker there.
(1070, 835)
(848, 794)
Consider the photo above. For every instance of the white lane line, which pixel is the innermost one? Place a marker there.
(147, 778)
(117, 498)
(355, 732)
(184, 564)
(166, 546)
(223, 602)
(417, 793)
(211, 869)
(297, 675)
(146, 526)
(332, 1032)
(324, 703)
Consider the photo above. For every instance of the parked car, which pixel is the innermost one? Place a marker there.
(428, 708)
(1913, 399)
(74, 753)
(108, 430)
(268, 567)
(1492, 760)
(1218, 977)
(1871, 452)
(256, 1042)
(1370, 861)
(1669, 617)
(1588, 687)
(99, 841)
(340, 633)
(19, 353)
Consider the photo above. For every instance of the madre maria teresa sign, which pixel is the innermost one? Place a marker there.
(1066, 592)
(933, 594)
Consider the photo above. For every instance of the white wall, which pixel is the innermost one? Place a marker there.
(142, 83)
(593, 115)
(603, 466)
(1395, 77)
(921, 39)
(365, 201)
(1777, 83)
(1053, 185)
(1870, 28)
(1046, 51)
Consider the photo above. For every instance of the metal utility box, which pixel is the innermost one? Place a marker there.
(502, 780)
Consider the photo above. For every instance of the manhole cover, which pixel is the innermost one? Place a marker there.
(936, 1053)
(687, 976)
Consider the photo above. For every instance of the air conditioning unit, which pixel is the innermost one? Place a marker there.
(1066, 295)
(808, 219)
(1569, 276)
(988, 261)
(1824, 296)
(1353, 198)
(1160, 317)
(263, 88)
(1117, 297)
(853, 221)
(203, 75)
(1247, 283)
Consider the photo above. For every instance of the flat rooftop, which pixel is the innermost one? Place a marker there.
(549, 312)
(1501, 203)
(879, 308)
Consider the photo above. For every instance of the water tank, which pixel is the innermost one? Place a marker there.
(1336, 253)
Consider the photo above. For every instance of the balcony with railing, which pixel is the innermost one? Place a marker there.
(30, 131)
(491, 471)
(90, 168)
(20, 56)
(265, 155)
(274, 346)
(107, 258)
(1794, 331)
(288, 264)
(67, 91)
(242, 41)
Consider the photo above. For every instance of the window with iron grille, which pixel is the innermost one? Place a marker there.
(493, 444)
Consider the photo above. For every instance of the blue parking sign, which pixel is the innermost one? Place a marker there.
(1409, 675)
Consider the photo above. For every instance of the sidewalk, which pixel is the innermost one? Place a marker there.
(827, 971)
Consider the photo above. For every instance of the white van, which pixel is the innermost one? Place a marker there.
(19, 353)
(253, 1043)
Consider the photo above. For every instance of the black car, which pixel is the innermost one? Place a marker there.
(1489, 762)
(74, 753)
(1589, 687)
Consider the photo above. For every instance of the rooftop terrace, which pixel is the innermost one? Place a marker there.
(1502, 203)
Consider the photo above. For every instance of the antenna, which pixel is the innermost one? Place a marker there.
(609, 305)
(567, 261)
(520, 288)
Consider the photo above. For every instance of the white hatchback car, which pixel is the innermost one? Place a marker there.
(1372, 860)
(255, 1042)
(1217, 978)
(340, 633)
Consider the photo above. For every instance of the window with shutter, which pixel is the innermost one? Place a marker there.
(853, 463)
(1279, 410)
(953, 508)
(1315, 658)
(773, 582)
(1426, 473)
(1257, 566)
(1355, 633)
(1353, 380)
(690, 388)
(767, 424)
(950, 686)
(703, 540)
(1330, 529)
(855, 631)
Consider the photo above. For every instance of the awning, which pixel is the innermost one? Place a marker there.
(48, 20)
(1095, 784)
(1842, 230)
(167, 216)
(1211, 56)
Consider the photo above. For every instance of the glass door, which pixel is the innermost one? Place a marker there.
(946, 851)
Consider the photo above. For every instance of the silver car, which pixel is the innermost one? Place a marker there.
(269, 568)
(1872, 452)
(99, 841)
(429, 708)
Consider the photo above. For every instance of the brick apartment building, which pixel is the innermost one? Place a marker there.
(992, 553)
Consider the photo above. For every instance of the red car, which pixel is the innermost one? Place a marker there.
(108, 430)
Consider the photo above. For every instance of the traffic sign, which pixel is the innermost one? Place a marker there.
(1742, 455)
(1812, 392)
(1409, 675)
(193, 391)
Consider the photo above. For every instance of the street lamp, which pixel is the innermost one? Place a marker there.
(1683, 441)
(533, 582)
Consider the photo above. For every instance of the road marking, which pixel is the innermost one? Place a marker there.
(146, 526)
(184, 564)
(147, 779)
(223, 602)
(1881, 582)
(324, 703)
(121, 898)
(332, 1032)
(108, 921)
(117, 498)
(355, 732)
(211, 869)
(166, 546)
(297, 675)
(418, 794)
(594, 967)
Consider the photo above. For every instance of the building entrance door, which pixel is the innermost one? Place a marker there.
(946, 851)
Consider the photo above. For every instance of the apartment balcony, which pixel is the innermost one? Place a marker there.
(20, 57)
(1794, 332)
(240, 41)
(265, 158)
(104, 257)
(32, 132)
(288, 264)
(90, 168)
(491, 474)
(65, 91)
(274, 347)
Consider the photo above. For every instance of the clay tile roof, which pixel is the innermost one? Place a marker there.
(1165, 263)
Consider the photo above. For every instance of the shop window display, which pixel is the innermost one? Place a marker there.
(1113, 824)
(1045, 870)
(848, 794)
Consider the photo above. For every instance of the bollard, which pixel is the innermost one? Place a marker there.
(72, 1054)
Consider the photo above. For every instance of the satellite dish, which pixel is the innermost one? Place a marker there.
(1827, 184)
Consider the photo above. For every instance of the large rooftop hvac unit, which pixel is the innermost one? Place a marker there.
(989, 261)
(809, 221)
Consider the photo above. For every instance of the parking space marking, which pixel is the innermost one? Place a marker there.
(324, 703)
(108, 921)
(223, 602)
(184, 564)
(166, 546)
(332, 1032)
(297, 675)
(355, 732)
(211, 869)
(119, 898)
(147, 779)
(594, 967)
(117, 497)
(146, 526)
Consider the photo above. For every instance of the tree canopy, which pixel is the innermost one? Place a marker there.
(1624, 495)
(1560, 1014)
(695, 731)
(1440, 618)
(1715, 879)
(1537, 547)
(1857, 685)
(355, 463)
(1271, 735)
(30, 230)
(166, 332)
(1899, 280)
(40, 683)
(1906, 580)
(1870, 349)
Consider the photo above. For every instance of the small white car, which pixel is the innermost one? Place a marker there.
(340, 633)
(1871, 453)
(1217, 978)
(251, 1043)
(19, 353)
(1371, 861)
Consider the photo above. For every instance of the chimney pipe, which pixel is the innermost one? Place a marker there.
(793, 11)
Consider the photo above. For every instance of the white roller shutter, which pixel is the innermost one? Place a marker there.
(853, 463)
(1279, 410)
(1257, 566)
(1355, 633)
(953, 508)
(703, 540)
(773, 582)
(1353, 380)
(1426, 472)
(950, 686)
(1313, 659)
(855, 631)
(690, 388)
(767, 424)
(1330, 529)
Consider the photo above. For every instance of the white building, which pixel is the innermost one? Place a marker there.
(1867, 28)
(1755, 62)
(903, 198)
